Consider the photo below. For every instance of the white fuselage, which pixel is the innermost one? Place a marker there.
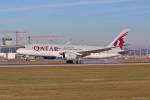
(56, 50)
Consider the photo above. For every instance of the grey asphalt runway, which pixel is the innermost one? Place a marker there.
(66, 65)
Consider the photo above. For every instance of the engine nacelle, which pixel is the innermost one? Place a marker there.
(70, 55)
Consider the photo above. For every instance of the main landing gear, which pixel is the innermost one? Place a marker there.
(73, 61)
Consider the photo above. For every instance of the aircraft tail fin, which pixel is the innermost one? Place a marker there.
(119, 40)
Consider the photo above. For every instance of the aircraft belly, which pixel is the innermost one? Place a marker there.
(100, 55)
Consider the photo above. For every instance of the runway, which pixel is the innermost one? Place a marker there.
(68, 65)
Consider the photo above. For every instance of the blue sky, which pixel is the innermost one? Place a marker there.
(95, 21)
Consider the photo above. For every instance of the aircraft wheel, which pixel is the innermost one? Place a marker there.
(69, 61)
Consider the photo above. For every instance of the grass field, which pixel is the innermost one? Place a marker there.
(97, 82)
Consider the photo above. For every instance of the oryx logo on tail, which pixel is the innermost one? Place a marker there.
(119, 40)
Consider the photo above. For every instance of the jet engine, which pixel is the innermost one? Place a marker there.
(70, 57)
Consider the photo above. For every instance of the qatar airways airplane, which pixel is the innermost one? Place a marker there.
(74, 53)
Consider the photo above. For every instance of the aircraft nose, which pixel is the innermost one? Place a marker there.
(19, 51)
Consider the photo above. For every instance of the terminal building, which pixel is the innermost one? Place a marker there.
(7, 49)
(8, 52)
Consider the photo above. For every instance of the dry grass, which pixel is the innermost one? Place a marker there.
(122, 82)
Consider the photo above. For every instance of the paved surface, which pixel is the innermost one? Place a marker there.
(65, 65)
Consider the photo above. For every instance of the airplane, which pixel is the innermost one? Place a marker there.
(75, 53)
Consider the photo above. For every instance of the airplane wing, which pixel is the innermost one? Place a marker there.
(86, 53)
